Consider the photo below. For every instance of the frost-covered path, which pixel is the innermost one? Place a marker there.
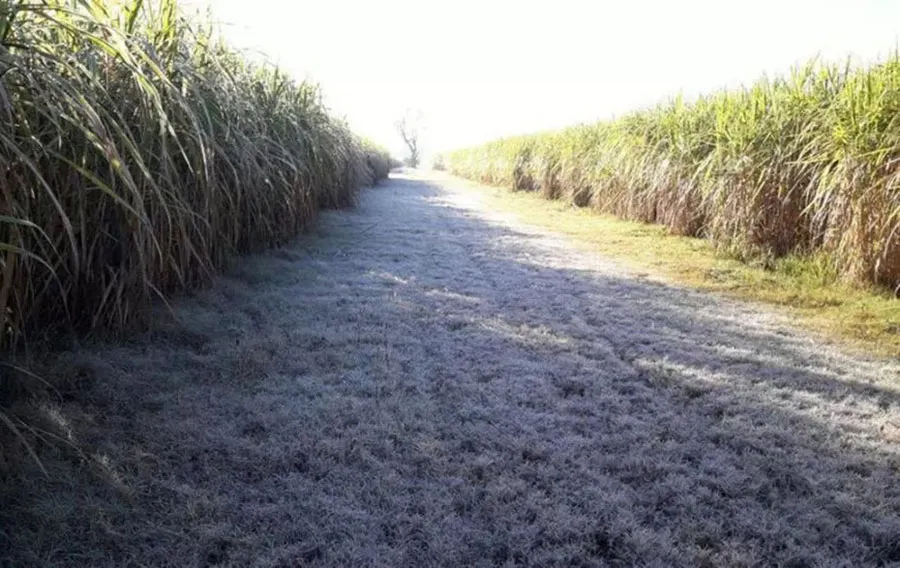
(422, 383)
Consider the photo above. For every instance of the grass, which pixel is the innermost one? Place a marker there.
(866, 318)
(803, 165)
(142, 153)
(410, 396)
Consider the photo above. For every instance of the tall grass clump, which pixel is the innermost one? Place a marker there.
(139, 153)
(807, 164)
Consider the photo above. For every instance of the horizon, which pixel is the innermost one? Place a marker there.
(468, 69)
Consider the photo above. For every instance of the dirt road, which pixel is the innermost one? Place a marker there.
(424, 383)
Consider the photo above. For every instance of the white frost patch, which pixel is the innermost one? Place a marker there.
(536, 335)
(449, 295)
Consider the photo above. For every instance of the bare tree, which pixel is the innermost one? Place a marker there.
(409, 127)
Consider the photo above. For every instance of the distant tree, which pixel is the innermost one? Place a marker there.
(409, 127)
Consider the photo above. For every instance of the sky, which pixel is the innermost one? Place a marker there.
(483, 69)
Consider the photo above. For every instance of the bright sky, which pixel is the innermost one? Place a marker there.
(481, 69)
